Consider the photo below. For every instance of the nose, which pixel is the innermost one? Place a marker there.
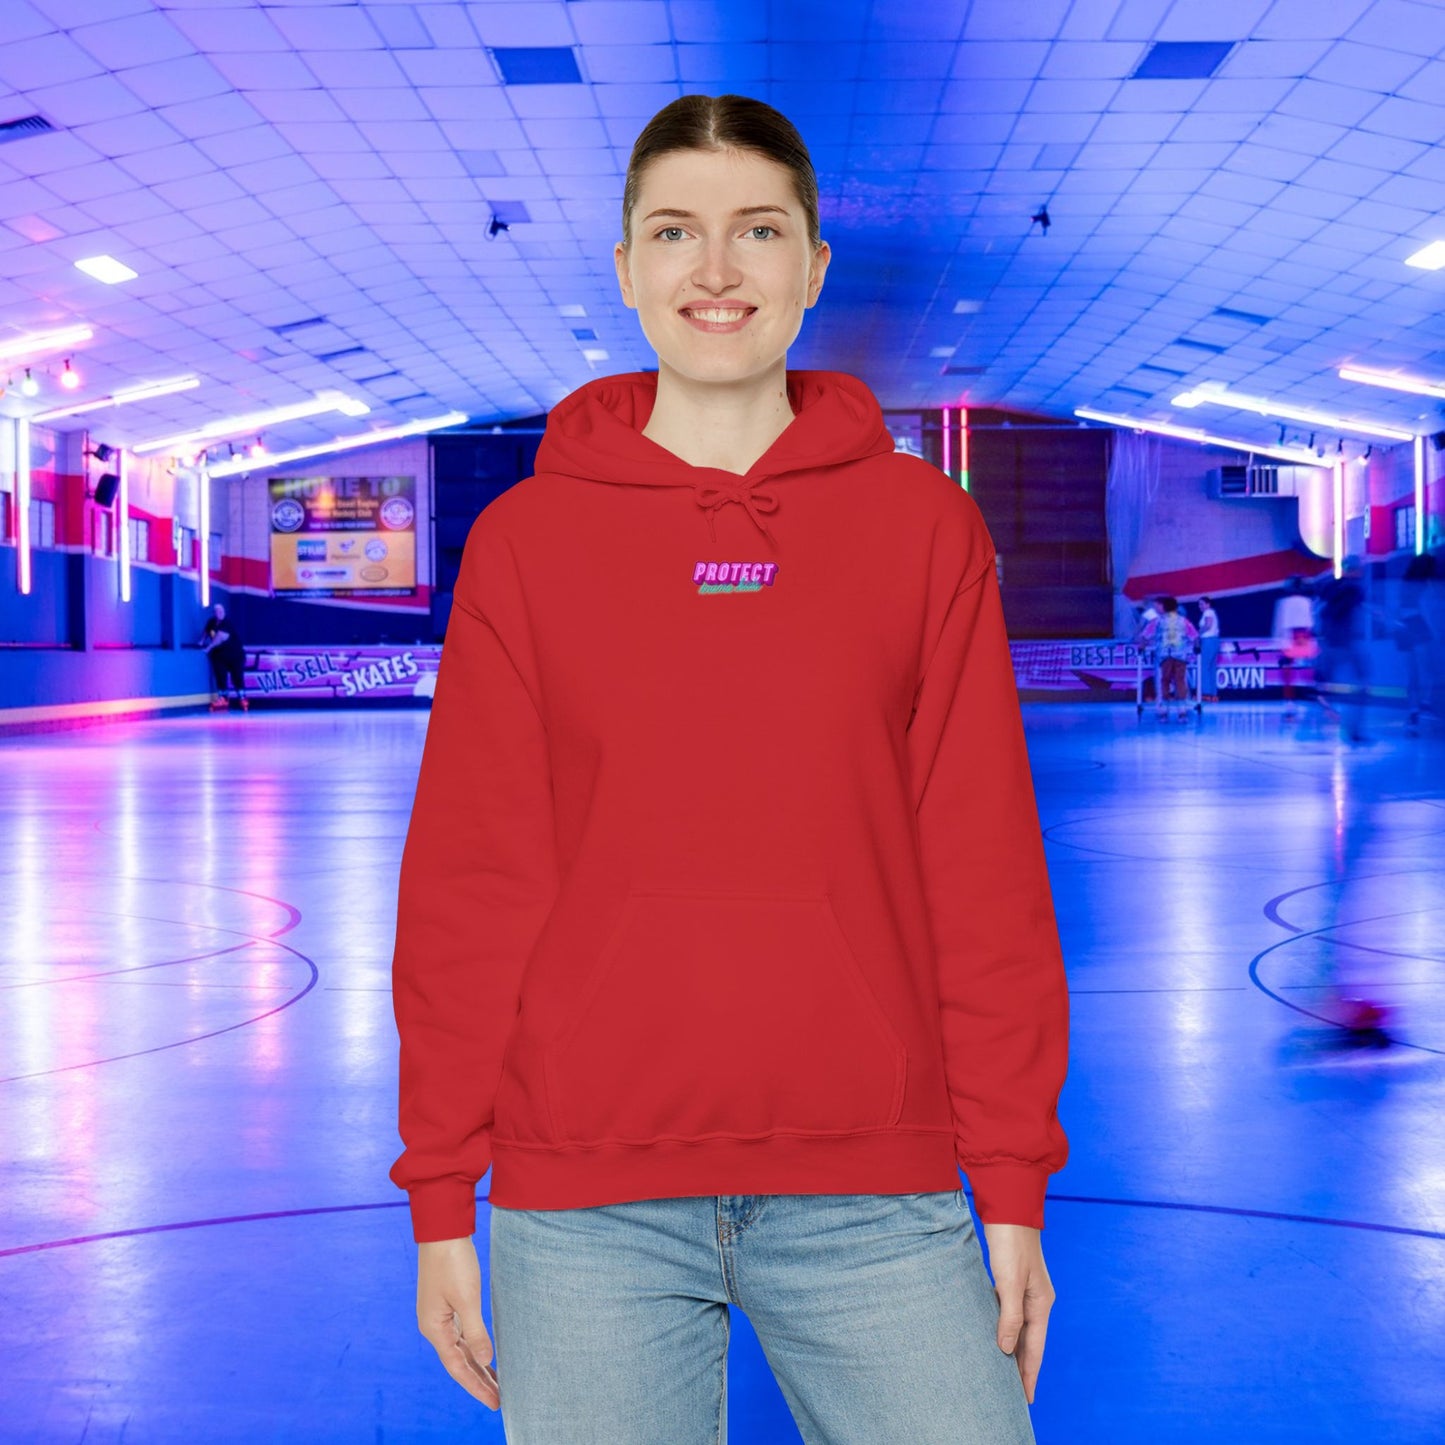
(717, 268)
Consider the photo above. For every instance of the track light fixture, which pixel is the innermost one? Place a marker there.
(494, 226)
(1040, 218)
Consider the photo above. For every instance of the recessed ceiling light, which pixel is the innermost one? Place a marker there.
(1428, 258)
(571, 308)
(107, 269)
(943, 351)
(594, 353)
(966, 308)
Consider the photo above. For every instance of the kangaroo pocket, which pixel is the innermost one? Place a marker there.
(737, 1014)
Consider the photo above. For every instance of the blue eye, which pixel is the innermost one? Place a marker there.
(764, 228)
(663, 232)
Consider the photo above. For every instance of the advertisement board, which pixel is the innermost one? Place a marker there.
(343, 536)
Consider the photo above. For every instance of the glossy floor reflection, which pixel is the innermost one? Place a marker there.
(198, 1241)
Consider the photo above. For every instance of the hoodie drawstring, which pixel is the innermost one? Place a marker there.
(753, 500)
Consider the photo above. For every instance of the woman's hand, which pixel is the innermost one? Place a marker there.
(1025, 1296)
(449, 1315)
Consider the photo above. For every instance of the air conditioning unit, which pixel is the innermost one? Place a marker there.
(1265, 479)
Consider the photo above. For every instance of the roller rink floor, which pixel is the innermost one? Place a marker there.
(199, 1243)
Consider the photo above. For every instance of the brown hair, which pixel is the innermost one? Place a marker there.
(723, 122)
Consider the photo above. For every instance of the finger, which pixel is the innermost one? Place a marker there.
(1010, 1315)
(1030, 1354)
(467, 1358)
(461, 1367)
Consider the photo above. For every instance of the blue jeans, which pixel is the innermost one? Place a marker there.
(874, 1311)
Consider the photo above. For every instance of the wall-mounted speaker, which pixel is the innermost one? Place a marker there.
(105, 489)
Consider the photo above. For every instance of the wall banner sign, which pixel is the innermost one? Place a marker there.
(343, 536)
(1054, 671)
(1108, 669)
(371, 673)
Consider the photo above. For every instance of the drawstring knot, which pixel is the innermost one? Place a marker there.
(754, 500)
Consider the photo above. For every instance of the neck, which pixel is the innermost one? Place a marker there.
(725, 425)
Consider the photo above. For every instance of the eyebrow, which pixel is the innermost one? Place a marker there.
(741, 211)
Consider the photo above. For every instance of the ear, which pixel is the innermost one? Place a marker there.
(816, 271)
(624, 276)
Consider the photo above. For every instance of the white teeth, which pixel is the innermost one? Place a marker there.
(727, 314)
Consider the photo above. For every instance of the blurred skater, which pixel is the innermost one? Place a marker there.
(1416, 638)
(1173, 636)
(222, 644)
(1343, 667)
(1294, 635)
(1148, 614)
(1208, 651)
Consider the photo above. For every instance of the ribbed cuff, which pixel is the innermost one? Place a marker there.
(1008, 1193)
(443, 1209)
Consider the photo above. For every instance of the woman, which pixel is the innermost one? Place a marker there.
(1172, 637)
(1208, 651)
(724, 934)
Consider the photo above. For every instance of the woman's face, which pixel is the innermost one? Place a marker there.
(720, 268)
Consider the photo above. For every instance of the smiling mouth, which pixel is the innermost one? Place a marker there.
(718, 313)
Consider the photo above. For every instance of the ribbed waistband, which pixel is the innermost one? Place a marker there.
(884, 1161)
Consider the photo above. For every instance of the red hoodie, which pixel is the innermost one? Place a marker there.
(724, 873)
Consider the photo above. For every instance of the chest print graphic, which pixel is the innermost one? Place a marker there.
(733, 576)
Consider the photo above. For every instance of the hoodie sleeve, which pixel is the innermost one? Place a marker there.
(478, 875)
(1002, 988)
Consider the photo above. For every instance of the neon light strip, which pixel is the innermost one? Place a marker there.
(1419, 496)
(1263, 406)
(341, 444)
(1392, 381)
(323, 401)
(123, 514)
(1339, 509)
(1190, 434)
(120, 398)
(13, 346)
(22, 502)
(963, 447)
(203, 481)
(947, 448)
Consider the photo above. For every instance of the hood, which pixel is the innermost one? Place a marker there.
(596, 434)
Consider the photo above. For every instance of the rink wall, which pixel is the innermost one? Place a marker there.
(72, 650)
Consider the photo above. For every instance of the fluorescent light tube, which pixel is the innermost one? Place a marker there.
(1263, 406)
(107, 269)
(1392, 381)
(34, 341)
(120, 398)
(1191, 434)
(341, 444)
(321, 403)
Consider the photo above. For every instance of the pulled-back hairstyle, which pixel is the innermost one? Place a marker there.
(723, 122)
